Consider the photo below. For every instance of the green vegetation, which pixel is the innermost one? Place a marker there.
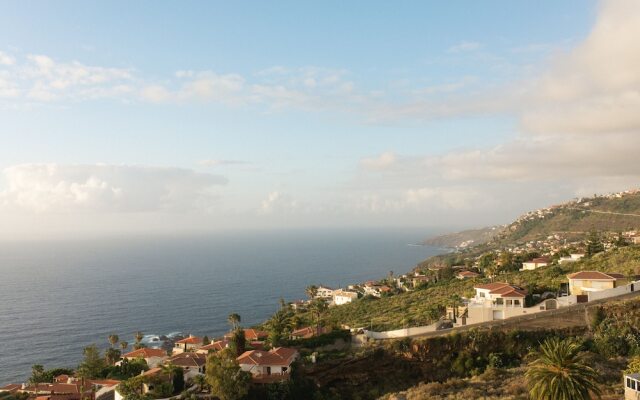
(561, 373)
(224, 376)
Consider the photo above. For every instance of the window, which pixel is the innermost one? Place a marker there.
(481, 294)
(499, 301)
(517, 303)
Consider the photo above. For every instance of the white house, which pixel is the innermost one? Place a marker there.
(153, 357)
(344, 296)
(268, 366)
(632, 387)
(535, 263)
(187, 344)
(192, 364)
(571, 258)
(495, 301)
(324, 292)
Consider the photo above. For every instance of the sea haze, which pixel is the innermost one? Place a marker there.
(57, 297)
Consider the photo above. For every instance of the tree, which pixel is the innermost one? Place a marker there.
(634, 365)
(93, 365)
(277, 324)
(171, 370)
(594, 244)
(112, 355)
(131, 389)
(234, 320)
(238, 341)
(317, 308)
(124, 345)
(205, 340)
(113, 339)
(224, 376)
(311, 291)
(139, 336)
(561, 373)
(37, 374)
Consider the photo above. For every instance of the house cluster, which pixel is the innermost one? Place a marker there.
(501, 300)
(189, 354)
(64, 387)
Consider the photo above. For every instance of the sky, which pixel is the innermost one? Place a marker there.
(143, 117)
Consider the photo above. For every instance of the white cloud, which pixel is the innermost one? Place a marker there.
(383, 161)
(277, 203)
(6, 59)
(100, 188)
(464, 47)
(220, 163)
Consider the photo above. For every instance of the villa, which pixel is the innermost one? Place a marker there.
(268, 366)
(251, 335)
(153, 357)
(213, 347)
(324, 292)
(192, 364)
(495, 301)
(187, 344)
(308, 332)
(571, 258)
(583, 282)
(535, 263)
(467, 275)
(341, 297)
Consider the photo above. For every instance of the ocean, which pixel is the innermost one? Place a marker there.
(56, 297)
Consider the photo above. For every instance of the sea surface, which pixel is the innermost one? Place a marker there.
(57, 297)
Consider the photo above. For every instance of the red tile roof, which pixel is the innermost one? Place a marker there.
(190, 340)
(595, 276)
(541, 260)
(468, 274)
(277, 356)
(11, 387)
(503, 289)
(216, 346)
(146, 353)
(188, 360)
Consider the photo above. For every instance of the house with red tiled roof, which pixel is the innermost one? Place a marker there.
(495, 301)
(308, 332)
(535, 263)
(584, 282)
(268, 366)
(153, 357)
(467, 275)
(11, 388)
(187, 344)
(192, 364)
(251, 335)
(213, 347)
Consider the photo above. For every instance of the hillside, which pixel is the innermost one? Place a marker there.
(560, 226)
(465, 239)
(424, 306)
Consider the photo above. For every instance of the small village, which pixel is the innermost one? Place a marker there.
(269, 354)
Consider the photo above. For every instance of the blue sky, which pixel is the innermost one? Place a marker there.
(292, 113)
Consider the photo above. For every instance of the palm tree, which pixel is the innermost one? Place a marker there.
(317, 308)
(277, 325)
(139, 336)
(561, 373)
(312, 291)
(113, 339)
(124, 345)
(169, 369)
(234, 320)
